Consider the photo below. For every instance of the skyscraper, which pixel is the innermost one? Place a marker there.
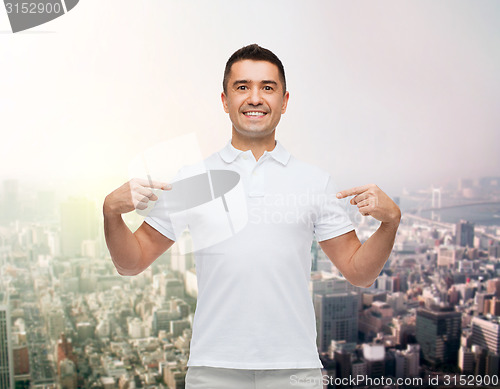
(6, 358)
(438, 334)
(336, 317)
(486, 334)
(465, 233)
(336, 304)
(64, 352)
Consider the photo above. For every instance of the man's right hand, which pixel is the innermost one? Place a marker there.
(134, 194)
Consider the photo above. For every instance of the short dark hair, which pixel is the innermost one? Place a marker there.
(256, 53)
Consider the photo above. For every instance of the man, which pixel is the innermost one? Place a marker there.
(254, 324)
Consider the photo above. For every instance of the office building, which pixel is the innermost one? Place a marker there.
(438, 333)
(465, 233)
(6, 355)
(486, 333)
(336, 318)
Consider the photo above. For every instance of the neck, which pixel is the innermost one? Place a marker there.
(257, 145)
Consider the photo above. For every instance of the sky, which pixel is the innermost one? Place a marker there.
(400, 94)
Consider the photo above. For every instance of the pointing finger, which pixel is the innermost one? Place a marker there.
(154, 184)
(353, 191)
(159, 185)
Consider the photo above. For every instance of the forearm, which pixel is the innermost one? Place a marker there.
(367, 262)
(123, 246)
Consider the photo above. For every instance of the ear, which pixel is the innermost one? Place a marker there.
(285, 102)
(224, 102)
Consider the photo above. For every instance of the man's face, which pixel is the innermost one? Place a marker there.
(254, 98)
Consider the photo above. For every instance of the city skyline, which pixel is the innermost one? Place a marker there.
(74, 321)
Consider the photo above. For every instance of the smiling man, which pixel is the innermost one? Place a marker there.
(254, 325)
(255, 100)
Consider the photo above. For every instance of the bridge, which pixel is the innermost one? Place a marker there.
(416, 210)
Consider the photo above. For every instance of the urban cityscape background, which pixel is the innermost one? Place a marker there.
(401, 94)
(68, 320)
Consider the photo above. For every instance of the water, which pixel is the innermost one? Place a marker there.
(487, 215)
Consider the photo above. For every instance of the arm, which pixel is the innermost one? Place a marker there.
(132, 253)
(360, 263)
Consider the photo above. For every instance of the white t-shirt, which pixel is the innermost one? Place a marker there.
(254, 309)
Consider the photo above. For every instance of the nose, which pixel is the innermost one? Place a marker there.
(254, 97)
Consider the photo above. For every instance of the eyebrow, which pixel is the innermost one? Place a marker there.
(239, 82)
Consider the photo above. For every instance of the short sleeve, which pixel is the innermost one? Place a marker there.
(332, 219)
(159, 219)
(159, 216)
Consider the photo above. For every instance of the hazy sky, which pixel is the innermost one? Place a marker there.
(402, 94)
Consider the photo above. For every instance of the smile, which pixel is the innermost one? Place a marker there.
(254, 113)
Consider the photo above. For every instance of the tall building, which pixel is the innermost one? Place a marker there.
(482, 301)
(55, 322)
(137, 328)
(448, 256)
(78, 224)
(180, 262)
(493, 286)
(21, 360)
(172, 287)
(486, 334)
(336, 305)
(412, 360)
(374, 356)
(480, 357)
(162, 318)
(64, 351)
(174, 375)
(493, 364)
(84, 331)
(336, 318)
(67, 374)
(465, 233)
(326, 283)
(400, 329)
(385, 282)
(314, 255)
(438, 334)
(466, 360)
(190, 281)
(494, 250)
(343, 363)
(6, 356)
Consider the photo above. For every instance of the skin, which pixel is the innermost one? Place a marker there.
(254, 86)
(130, 252)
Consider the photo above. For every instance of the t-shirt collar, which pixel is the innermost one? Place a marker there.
(229, 153)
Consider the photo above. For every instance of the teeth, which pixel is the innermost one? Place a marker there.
(255, 113)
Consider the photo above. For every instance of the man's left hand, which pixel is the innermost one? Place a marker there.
(371, 200)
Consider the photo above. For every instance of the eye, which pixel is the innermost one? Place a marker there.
(267, 87)
(242, 87)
